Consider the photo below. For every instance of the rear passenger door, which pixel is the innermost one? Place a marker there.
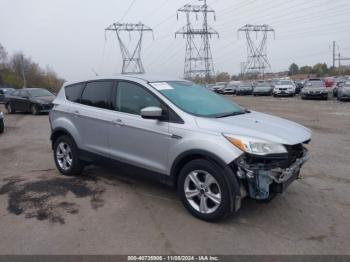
(133, 139)
(92, 116)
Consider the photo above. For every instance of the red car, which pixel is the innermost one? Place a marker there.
(329, 82)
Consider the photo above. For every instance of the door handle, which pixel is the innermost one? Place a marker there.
(118, 122)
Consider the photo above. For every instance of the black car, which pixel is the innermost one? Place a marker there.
(1, 122)
(5, 92)
(33, 100)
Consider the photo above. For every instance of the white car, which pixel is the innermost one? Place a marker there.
(284, 88)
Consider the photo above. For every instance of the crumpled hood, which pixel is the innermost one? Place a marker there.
(258, 125)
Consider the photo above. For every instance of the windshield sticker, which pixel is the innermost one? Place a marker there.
(161, 86)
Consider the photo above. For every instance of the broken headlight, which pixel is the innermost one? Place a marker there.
(255, 146)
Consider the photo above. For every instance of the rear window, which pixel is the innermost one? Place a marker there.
(73, 92)
(97, 94)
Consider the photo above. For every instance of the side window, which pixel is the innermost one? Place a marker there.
(16, 93)
(73, 92)
(97, 94)
(2, 92)
(131, 98)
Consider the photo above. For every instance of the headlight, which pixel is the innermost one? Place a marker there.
(255, 146)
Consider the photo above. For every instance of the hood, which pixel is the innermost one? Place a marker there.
(46, 99)
(262, 88)
(317, 89)
(258, 125)
(244, 88)
(284, 86)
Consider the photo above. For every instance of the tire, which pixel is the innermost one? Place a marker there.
(217, 188)
(34, 109)
(10, 108)
(66, 158)
(1, 126)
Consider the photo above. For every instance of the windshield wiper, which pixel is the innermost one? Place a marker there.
(233, 114)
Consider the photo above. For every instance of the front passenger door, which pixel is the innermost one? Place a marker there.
(133, 139)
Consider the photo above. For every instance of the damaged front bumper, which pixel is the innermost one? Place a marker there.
(264, 177)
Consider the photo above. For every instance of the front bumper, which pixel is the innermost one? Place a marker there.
(262, 180)
(283, 92)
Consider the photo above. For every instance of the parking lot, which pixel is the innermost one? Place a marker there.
(107, 211)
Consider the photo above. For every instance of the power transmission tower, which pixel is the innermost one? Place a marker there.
(132, 63)
(198, 57)
(257, 62)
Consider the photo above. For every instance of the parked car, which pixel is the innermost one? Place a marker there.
(284, 88)
(231, 87)
(244, 89)
(329, 82)
(314, 89)
(1, 122)
(344, 92)
(4, 93)
(215, 151)
(33, 100)
(298, 86)
(336, 87)
(263, 89)
(219, 87)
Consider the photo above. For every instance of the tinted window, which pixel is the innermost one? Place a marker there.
(131, 98)
(39, 92)
(73, 92)
(97, 94)
(16, 93)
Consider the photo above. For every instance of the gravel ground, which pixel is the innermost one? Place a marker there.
(108, 211)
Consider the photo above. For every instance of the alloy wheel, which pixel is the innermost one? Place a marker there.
(202, 191)
(64, 156)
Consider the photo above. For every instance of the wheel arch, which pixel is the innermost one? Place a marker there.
(230, 176)
(57, 132)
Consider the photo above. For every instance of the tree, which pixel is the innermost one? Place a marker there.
(305, 70)
(293, 69)
(223, 77)
(320, 69)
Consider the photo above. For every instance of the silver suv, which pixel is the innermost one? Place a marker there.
(212, 150)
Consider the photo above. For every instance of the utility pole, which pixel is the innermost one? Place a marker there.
(257, 62)
(333, 54)
(132, 63)
(23, 72)
(198, 57)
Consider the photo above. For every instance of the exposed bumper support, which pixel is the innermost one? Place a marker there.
(260, 181)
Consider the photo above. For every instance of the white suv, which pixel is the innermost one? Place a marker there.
(214, 151)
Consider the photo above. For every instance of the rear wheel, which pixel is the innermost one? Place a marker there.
(66, 156)
(203, 190)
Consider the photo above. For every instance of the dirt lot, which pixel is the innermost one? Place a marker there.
(107, 212)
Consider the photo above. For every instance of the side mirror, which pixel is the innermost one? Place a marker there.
(151, 112)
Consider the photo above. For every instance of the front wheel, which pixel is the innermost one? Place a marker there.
(66, 156)
(34, 109)
(10, 108)
(1, 126)
(203, 190)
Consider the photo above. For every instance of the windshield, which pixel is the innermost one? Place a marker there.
(196, 100)
(315, 84)
(39, 92)
(245, 85)
(284, 82)
(263, 85)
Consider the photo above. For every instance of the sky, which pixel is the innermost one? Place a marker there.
(69, 36)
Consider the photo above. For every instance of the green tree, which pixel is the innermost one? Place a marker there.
(320, 69)
(293, 69)
(223, 77)
(305, 70)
